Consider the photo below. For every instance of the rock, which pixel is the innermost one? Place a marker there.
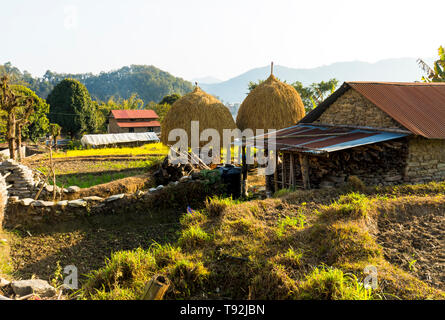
(4, 283)
(160, 187)
(77, 203)
(26, 201)
(40, 203)
(184, 178)
(93, 198)
(152, 190)
(14, 199)
(37, 286)
(115, 197)
(326, 184)
(73, 189)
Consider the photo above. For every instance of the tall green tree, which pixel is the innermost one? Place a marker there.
(17, 109)
(38, 123)
(71, 108)
(437, 72)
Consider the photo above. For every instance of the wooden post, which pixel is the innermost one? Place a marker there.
(156, 288)
(283, 178)
(304, 164)
(291, 170)
(275, 173)
(244, 170)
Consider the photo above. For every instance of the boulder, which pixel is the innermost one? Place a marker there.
(37, 286)
(4, 283)
(93, 198)
(26, 201)
(73, 189)
(77, 203)
(115, 197)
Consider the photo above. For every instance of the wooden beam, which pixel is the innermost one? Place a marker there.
(283, 162)
(304, 164)
(275, 173)
(292, 174)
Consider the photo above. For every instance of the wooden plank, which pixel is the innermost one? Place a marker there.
(291, 170)
(304, 164)
(283, 163)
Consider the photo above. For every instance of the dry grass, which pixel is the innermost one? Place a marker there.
(285, 248)
(271, 105)
(197, 106)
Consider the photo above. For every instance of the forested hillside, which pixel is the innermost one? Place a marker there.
(148, 82)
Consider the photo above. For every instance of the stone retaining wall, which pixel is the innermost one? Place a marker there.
(177, 195)
(426, 160)
(23, 182)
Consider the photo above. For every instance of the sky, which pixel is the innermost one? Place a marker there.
(222, 39)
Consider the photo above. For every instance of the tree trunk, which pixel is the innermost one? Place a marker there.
(11, 134)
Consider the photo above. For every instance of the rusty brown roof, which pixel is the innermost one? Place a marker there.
(314, 138)
(419, 107)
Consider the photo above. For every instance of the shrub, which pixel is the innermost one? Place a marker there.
(332, 284)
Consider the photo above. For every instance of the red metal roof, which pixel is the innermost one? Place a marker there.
(419, 107)
(139, 124)
(320, 139)
(134, 114)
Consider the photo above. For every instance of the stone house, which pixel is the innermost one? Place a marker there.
(384, 133)
(125, 121)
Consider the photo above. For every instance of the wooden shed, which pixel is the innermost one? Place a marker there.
(383, 133)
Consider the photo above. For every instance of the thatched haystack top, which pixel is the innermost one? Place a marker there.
(271, 105)
(197, 106)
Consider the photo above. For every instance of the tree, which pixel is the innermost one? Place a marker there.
(55, 130)
(437, 73)
(71, 108)
(38, 123)
(170, 98)
(311, 95)
(160, 109)
(10, 102)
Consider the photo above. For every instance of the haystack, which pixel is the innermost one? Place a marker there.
(197, 106)
(271, 105)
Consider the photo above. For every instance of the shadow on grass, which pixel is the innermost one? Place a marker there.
(87, 242)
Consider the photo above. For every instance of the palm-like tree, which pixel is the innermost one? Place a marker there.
(437, 73)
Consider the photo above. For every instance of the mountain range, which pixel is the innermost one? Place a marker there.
(398, 70)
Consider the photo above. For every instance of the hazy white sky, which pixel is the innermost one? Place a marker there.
(196, 38)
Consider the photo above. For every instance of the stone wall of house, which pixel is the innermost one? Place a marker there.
(426, 160)
(354, 109)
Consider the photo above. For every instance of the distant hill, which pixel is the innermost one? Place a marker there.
(148, 82)
(403, 69)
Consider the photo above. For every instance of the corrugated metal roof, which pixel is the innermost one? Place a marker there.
(134, 114)
(321, 139)
(140, 124)
(419, 107)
